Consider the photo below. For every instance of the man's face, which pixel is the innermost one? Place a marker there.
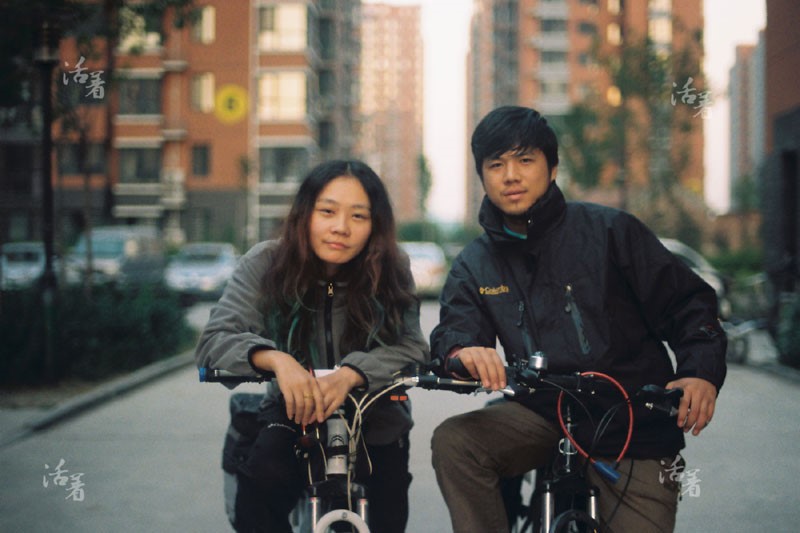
(515, 181)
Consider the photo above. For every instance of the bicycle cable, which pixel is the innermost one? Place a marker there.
(603, 468)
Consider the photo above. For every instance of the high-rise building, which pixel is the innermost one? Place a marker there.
(546, 54)
(210, 126)
(391, 137)
(746, 93)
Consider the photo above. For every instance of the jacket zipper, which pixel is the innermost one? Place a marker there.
(329, 327)
(572, 309)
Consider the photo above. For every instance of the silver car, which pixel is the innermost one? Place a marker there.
(21, 264)
(201, 269)
(428, 266)
(694, 260)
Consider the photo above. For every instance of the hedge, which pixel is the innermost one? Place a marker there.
(117, 330)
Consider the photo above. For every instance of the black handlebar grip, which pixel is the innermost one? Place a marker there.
(454, 366)
(216, 375)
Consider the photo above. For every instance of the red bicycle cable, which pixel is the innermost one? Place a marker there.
(630, 417)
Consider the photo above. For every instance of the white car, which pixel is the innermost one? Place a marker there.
(428, 266)
(694, 260)
(21, 264)
(201, 269)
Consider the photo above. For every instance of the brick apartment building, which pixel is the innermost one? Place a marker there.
(211, 125)
(390, 139)
(541, 53)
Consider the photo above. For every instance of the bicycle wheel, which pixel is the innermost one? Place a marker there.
(341, 516)
(574, 521)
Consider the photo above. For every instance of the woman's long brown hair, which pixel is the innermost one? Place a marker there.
(378, 286)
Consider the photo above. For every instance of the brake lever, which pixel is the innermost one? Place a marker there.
(660, 399)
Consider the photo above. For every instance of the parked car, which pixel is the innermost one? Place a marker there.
(702, 268)
(21, 264)
(428, 266)
(201, 269)
(120, 254)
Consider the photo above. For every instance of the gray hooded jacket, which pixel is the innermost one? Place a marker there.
(236, 328)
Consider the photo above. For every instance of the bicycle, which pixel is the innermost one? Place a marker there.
(563, 499)
(338, 444)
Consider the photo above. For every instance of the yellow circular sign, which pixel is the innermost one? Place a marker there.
(230, 104)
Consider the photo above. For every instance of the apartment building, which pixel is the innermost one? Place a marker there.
(544, 54)
(746, 94)
(213, 125)
(391, 131)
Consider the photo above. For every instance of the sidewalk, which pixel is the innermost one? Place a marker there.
(18, 423)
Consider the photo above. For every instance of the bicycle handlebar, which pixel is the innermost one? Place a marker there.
(523, 381)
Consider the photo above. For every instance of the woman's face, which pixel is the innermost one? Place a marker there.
(341, 222)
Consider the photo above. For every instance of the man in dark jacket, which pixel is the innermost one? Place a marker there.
(593, 289)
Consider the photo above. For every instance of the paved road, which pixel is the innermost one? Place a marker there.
(150, 461)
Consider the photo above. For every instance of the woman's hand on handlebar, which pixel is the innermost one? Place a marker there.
(336, 386)
(697, 405)
(485, 365)
(301, 391)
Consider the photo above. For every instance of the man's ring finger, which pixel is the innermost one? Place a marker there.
(307, 395)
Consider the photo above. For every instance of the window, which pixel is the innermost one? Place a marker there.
(139, 165)
(16, 168)
(282, 96)
(587, 28)
(553, 88)
(68, 159)
(282, 164)
(140, 96)
(552, 56)
(201, 159)
(614, 34)
(204, 29)
(660, 30)
(283, 27)
(554, 25)
(327, 39)
(202, 92)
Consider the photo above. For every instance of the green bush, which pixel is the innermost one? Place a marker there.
(789, 333)
(118, 330)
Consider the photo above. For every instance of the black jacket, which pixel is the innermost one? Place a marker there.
(594, 289)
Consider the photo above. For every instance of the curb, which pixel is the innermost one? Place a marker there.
(101, 394)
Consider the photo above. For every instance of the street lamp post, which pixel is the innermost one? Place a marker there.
(46, 58)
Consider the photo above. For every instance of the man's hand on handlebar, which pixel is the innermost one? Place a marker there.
(697, 405)
(483, 364)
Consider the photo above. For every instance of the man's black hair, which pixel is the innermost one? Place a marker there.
(513, 128)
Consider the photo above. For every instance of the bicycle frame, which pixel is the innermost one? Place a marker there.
(340, 446)
(529, 377)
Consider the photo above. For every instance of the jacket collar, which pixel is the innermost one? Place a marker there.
(544, 215)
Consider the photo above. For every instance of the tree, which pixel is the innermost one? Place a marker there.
(607, 136)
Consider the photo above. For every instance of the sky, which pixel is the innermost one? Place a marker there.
(445, 28)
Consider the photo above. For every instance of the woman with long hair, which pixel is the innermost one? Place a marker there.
(333, 292)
